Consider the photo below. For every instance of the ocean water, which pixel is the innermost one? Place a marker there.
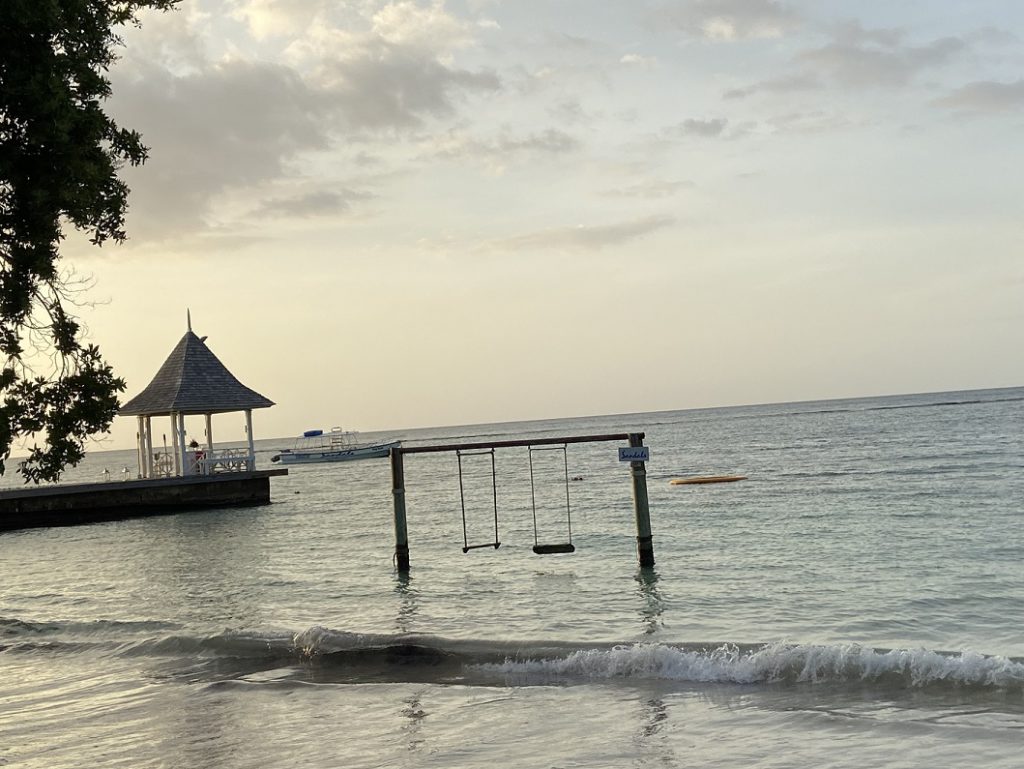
(857, 601)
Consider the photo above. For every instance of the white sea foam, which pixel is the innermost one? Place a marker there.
(318, 640)
(773, 662)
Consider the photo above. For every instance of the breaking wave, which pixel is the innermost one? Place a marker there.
(328, 655)
(774, 663)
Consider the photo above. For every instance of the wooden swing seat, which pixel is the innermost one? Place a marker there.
(566, 547)
(467, 548)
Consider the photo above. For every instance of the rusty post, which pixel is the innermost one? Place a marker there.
(401, 529)
(644, 541)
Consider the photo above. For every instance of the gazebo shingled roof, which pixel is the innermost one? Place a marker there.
(193, 381)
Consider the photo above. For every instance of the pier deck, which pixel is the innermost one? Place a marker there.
(71, 505)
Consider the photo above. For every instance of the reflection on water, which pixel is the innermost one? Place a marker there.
(407, 603)
(654, 715)
(205, 731)
(653, 605)
(654, 748)
(413, 711)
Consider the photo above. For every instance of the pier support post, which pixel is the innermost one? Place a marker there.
(401, 530)
(644, 543)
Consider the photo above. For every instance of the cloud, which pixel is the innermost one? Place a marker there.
(550, 140)
(579, 43)
(703, 128)
(993, 36)
(430, 26)
(728, 20)
(277, 18)
(402, 22)
(786, 84)
(650, 190)
(385, 85)
(499, 151)
(985, 96)
(855, 33)
(364, 159)
(220, 126)
(312, 204)
(808, 122)
(859, 57)
(636, 60)
(569, 110)
(230, 125)
(587, 238)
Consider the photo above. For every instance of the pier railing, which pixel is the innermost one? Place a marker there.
(163, 465)
(220, 461)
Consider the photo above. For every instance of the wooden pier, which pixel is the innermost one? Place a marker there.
(71, 505)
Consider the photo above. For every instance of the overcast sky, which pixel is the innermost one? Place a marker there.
(406, 214)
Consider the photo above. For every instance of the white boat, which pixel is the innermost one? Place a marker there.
(337, 445)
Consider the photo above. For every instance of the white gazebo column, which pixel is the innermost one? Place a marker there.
(251, 462)
(182, 448)
(209, 443)
(149, 446)
(175, 446)
(140, 445)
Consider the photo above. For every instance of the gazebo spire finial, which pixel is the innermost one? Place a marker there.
(188, 318)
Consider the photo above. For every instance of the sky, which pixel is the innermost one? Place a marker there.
(391, 215)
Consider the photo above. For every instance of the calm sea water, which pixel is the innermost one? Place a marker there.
(858, 601)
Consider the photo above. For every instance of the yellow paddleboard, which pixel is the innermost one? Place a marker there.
(708, 479)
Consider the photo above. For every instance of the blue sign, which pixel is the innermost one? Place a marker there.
(634, 454)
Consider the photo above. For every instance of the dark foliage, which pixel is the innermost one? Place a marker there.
(59, 158)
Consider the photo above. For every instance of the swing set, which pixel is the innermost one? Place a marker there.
(645, 550)
(538, 548)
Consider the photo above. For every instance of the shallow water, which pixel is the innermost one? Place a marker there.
(855, 602)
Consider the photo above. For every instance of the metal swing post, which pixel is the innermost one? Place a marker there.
(568, 511)
(641, 506)
(401, 530)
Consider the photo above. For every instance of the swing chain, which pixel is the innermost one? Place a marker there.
(466, 547)
(566, 547)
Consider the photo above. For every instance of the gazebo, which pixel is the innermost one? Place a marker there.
(192, 382)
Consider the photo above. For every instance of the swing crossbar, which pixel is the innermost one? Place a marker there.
(511, 444)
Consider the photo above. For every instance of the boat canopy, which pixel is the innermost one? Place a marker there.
(312, 433)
